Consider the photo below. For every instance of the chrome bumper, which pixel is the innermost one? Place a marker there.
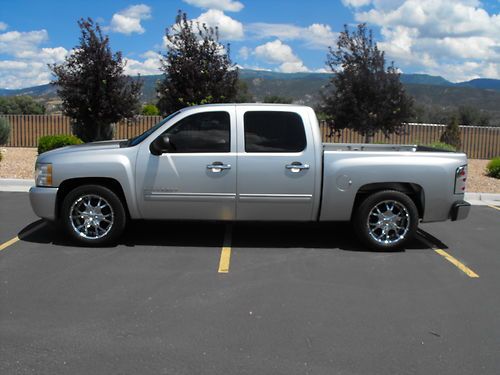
(459, 210)
(43, 201)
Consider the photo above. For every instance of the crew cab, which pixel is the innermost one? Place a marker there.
(247, 162)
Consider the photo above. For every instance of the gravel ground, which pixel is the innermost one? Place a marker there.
(19, 163)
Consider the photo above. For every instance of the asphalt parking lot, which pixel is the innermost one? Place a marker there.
(205, 298)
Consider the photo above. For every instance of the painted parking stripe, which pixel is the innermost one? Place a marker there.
(12, 241)
(462, 267)
(495, 207)
(225, 254)
(20, 236)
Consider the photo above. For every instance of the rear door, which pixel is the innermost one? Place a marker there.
(276, 171)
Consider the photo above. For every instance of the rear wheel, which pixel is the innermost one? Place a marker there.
(386, 220)
(93, 215)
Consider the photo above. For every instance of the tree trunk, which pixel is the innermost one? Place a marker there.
(368, 138)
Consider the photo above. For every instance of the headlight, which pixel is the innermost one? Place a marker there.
(43, 174)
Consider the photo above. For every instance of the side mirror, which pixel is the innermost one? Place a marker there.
(161, 145)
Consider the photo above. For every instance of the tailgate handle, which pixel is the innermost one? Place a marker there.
(296, 166)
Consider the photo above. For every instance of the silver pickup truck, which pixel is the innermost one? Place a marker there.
(247, 162)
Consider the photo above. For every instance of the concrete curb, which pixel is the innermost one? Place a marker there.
(16, 184)
(22, 185)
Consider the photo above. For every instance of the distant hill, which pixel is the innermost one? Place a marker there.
(305, 88)
(482, 83)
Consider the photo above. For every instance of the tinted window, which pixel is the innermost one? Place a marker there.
(201, 132)
(267, 131)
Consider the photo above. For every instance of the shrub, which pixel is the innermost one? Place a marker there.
(493, 167)
(150, 110)
(4, 131)
(451, 135)
(50, 142)
(442, 146)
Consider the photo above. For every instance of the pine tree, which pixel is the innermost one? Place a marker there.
(451, 134)
(365, 96)
(198, 69)
(94, 90)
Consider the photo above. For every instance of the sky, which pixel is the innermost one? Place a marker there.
(456, 39)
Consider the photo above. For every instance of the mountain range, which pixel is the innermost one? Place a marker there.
(305, 88)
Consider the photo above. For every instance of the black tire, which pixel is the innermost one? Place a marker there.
(373, 231)
(112, 210)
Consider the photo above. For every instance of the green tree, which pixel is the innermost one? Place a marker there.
(4, 130)
(277, 99)
(468, 115)
(20, 105)
(197, 67)
(150, 110)
(243, 95)
(94, 90)
(365, 96)
(451, 134)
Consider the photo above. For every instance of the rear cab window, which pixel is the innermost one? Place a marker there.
(274, 131)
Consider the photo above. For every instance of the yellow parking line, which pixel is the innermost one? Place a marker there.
(12, 241)
(225, 255)
(495, 207)
(462, 267)
(8, 243)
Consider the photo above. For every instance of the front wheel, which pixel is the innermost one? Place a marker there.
(93, 215)
(386, 220)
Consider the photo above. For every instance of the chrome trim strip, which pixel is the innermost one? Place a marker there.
(277, 198)
(191, 197)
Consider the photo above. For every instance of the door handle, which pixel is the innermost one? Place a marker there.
(218, 167)
(296, 167)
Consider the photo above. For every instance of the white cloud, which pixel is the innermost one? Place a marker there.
(356, 3)
(128, 21)
(316, 36)
(276, 52)
(293, 67)
(225, 5)
(146, 67)
(457, 39)
(244, 52)
(229, 28)
(3, 26)
(30, 64)
(16, 43)
(18, 74)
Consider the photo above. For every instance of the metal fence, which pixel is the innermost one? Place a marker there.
(477, 141)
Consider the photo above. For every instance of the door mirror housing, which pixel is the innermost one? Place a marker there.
(161, 145)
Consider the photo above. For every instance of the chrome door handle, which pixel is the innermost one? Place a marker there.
(297, 167)
(218, 167)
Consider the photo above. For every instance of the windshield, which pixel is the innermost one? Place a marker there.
(136, 140)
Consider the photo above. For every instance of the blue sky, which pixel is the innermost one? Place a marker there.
(457, 39)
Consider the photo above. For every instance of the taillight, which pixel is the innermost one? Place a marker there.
(460, 179)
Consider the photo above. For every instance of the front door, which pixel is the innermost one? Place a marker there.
(276, 166)
(197, 178)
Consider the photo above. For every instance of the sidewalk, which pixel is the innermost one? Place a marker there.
(476, 199)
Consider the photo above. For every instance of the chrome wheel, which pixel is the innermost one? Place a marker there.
(91, 217)
(388, 222)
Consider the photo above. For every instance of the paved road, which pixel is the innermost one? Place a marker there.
(298, 299)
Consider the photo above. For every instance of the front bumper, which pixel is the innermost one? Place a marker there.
(43, 201)
(459, 210)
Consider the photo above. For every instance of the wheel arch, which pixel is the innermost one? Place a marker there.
(68, 185)
(414, 191)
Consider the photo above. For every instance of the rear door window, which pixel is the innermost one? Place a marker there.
(273, 131)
